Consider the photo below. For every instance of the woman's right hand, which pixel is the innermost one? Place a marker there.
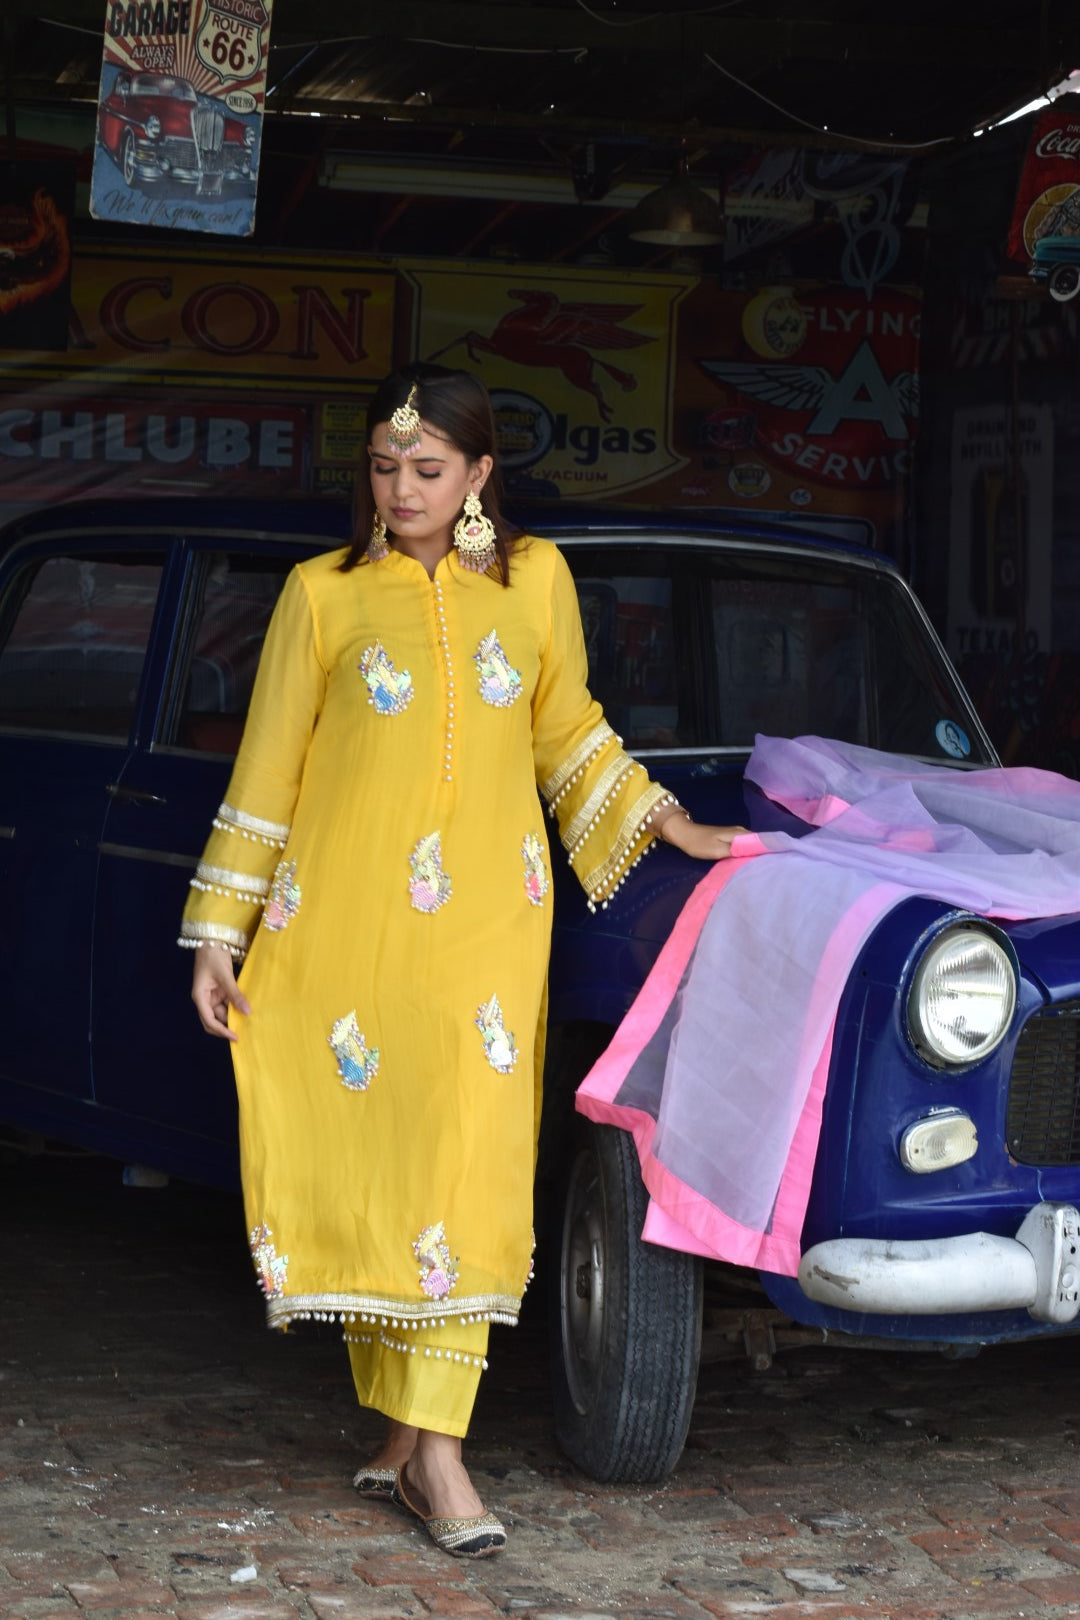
(214, 989)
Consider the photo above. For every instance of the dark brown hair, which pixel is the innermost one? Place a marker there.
(456, 404)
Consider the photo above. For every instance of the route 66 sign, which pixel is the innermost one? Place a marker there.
(229, 40)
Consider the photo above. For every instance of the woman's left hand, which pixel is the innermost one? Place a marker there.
(703, 842)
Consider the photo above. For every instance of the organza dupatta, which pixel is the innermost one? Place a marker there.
(720, 1066)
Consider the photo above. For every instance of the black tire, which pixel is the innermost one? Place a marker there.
(127, 160)
(625, 1322)
(1064, 282)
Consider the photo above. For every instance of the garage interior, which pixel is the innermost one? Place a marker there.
(825, 148)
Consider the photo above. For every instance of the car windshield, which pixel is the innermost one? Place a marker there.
(152, 84)
(703, 646)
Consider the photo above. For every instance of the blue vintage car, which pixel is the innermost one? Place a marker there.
(1056, 266)
(129, 636)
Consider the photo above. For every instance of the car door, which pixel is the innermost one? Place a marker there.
(76, 620)
(154, 1068)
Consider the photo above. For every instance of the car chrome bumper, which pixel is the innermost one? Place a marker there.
(1037, 1270)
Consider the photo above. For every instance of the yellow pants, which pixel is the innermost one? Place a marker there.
(428, 1377)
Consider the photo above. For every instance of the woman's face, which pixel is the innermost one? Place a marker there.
(420, 497)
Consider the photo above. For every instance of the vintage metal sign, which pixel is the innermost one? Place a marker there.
(580, 378)
(180, 110)
(36, 206)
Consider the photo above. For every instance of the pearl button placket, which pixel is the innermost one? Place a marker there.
(448, 666)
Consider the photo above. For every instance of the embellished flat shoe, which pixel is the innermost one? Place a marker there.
(475, 1537)
(375, 1482)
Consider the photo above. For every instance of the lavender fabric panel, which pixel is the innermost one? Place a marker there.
(747, 1034)
(1001, 842)
(753, 1013)
(644, 1083)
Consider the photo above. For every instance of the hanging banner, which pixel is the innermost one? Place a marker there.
(36, 204)
(180, 110)
(1047, 209)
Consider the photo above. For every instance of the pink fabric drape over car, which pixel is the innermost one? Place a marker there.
(719, 1067)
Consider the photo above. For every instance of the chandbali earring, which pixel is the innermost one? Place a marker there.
(474, 536)
(377, 547)
(404, 428)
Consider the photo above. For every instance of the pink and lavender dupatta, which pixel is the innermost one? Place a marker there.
(719, 1067)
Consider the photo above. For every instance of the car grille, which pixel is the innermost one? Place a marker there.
(180, 153)
(208, 124)
(1042, 1124)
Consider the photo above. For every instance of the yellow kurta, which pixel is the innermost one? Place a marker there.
(381, 859)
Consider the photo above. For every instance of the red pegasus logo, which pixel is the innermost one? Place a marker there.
(547, 332)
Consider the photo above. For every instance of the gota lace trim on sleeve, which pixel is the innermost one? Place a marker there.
(194, 935)
(634, 840)
(236, 885)
(571, 769)
(588, 817)
(231, 820)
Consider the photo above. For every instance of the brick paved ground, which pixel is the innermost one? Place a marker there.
(156, 1444)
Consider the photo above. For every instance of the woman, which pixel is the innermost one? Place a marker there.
(388, 1030)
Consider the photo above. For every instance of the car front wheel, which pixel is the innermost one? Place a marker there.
(626, 1322)
(127, 158)
(1064, 282)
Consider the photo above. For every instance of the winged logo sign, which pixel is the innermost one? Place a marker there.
(830, 402)
(860, 392)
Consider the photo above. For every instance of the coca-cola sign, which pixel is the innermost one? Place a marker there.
(1059, 143)
(1048, 196)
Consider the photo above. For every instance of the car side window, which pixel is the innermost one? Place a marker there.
(237, 593)
(628, 616)
(790, 659)
(73, 636)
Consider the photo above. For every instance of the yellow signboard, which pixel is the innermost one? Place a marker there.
(268, 321)
(579, 367)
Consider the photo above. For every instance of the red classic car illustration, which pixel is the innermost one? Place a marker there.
(158, 129)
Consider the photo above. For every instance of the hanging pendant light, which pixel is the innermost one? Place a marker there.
(678, 214)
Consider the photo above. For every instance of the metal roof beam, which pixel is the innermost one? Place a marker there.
(550, 28)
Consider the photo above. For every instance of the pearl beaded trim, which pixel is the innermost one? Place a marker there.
(459, 1357)
(193, 934)
(231, 820)
(444, 643)
(243, 886)
(601, 886)
(212, 944)
(350, 1309)
(573, 767)
(600, 799)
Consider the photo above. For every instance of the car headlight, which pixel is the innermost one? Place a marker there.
(153, 126)
(962, 997)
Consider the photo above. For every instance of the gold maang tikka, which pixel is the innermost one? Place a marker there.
(403, 430)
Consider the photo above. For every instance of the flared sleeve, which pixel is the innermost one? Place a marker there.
(603, 800)
(241, 861)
